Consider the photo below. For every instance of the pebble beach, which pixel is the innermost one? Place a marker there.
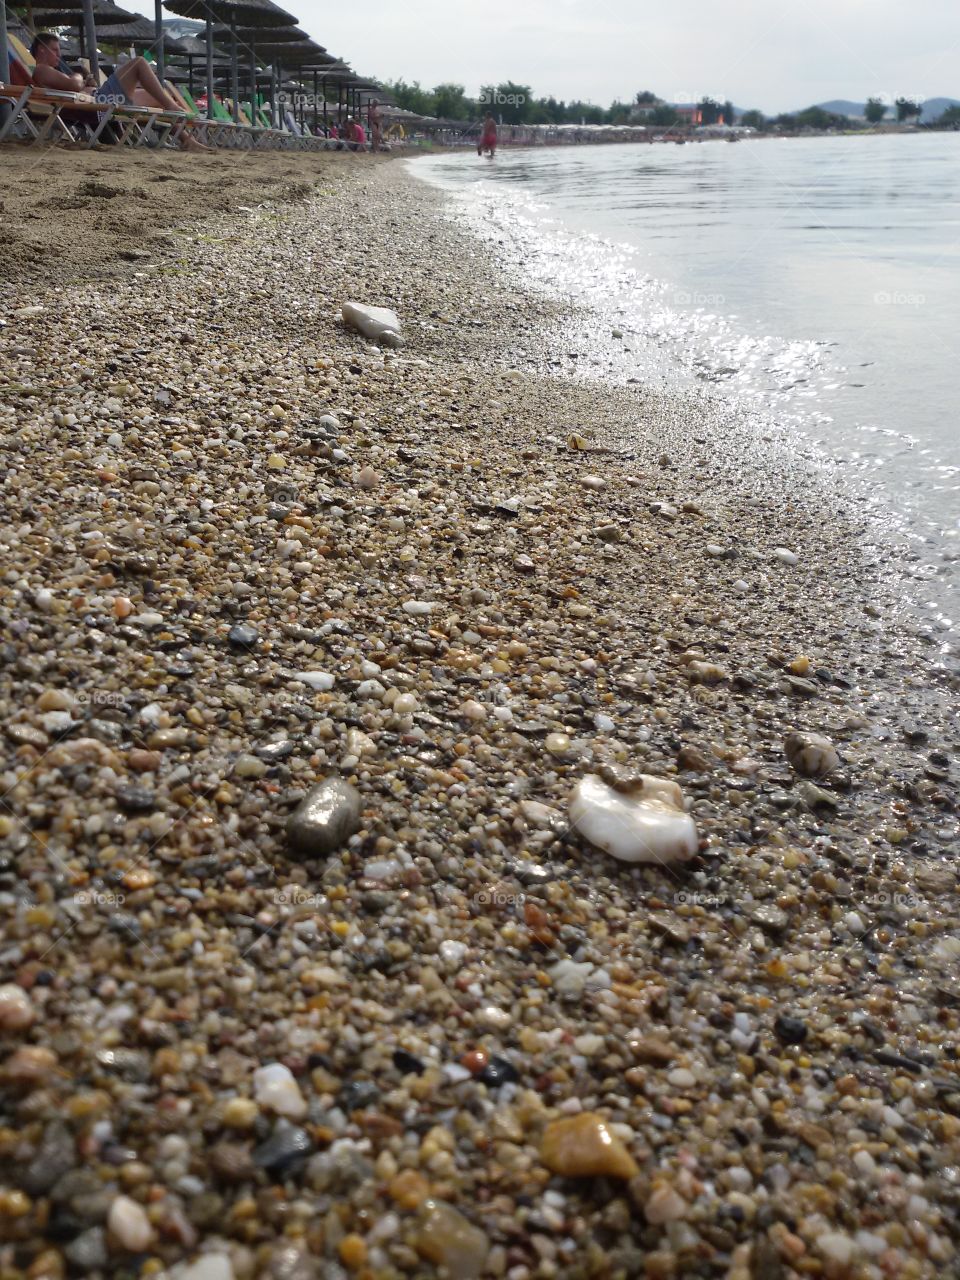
(336, 682)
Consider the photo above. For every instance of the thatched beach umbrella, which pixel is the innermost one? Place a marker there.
(250, 13)
(142, 34)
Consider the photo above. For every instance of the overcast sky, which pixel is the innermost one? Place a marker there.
(758, 53)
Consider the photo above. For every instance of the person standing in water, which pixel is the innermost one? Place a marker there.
(488, 139)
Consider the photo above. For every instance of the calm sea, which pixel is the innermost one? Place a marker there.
(817, 279)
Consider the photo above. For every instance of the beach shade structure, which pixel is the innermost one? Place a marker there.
(327, 74)
(141, 33)
(84, 14)
(234, 13)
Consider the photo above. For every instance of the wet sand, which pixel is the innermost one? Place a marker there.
(245, 552)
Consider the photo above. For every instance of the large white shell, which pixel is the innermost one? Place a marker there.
(379, 323)
(811, 754)
(645, 824)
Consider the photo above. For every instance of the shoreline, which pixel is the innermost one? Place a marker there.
(771, 1030)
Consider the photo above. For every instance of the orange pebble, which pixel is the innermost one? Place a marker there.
(353, 1251)
(409, 1189)
(475, 1061)
(122, 608)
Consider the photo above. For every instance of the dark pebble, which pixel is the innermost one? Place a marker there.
(499, 1071)
(407, 1062)
(790, 1030)
(284, 1149)
(55, 1156)
(242, 637)
(891, 1059)
(273, 752)
(358, 1094)
(135, 799)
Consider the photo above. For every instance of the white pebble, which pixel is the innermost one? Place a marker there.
(321, 680)
(16, 1008)
(127, 1221)
(274, 1087)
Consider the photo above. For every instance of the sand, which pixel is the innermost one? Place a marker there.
(436, 1031)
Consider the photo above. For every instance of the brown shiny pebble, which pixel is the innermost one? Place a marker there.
(583, 1147)
(450, 1240)
(353, 1251)
(30, 1064)
(139, 878)
(142, 761)
(653, 1051)
(693, 758)
(409, 1189)
(475, 1061)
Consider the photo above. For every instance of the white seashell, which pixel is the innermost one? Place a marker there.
(378, 323)
(321, 680)
(811, 754)
(418, 607)
(275, 1088)
(783, 554)
(647, 823)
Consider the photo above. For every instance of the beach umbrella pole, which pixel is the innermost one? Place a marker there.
(209, 65)
(4, 56)
(234, 72)
(253, 86)
(158, 27)
(89, 37)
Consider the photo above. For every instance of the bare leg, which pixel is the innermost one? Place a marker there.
(138, 74)
(140, 84)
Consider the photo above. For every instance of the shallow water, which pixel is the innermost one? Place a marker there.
(816, 280)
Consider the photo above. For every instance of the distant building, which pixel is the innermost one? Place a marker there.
(687, 113)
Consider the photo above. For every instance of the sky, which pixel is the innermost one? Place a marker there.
(758, 53)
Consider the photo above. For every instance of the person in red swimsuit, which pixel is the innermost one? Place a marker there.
(488, 139)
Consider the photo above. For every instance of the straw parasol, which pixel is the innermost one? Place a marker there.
(249, 13)
(141, 31)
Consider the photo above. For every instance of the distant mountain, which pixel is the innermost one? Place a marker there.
(841, 107)
(932, 109)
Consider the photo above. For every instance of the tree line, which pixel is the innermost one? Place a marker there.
(516, 104)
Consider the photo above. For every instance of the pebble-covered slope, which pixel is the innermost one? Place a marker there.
(244, 552)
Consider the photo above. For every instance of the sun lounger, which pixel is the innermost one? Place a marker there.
(64, 114)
